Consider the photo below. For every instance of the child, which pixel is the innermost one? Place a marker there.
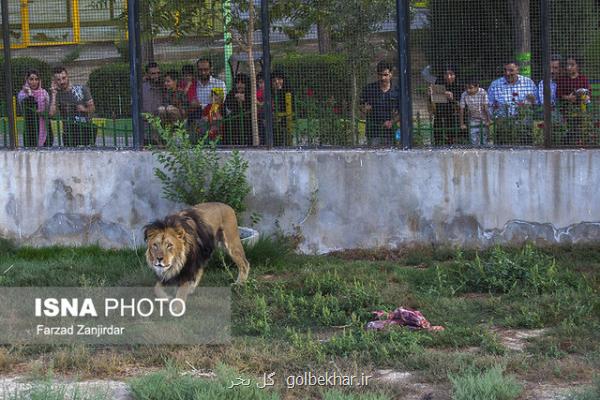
(212, 114)
(475, 101)
(174, 101)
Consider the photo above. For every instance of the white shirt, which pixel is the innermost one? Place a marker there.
(203, 91)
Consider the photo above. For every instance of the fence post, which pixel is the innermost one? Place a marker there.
(405, 102)
(545, 33)
(266, 72)
(8, 86)
(227, 46)
(135, 68)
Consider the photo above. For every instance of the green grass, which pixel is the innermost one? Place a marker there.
(171, 384)
(299, 313)
(488, 385)
(592, 393)
(49, 390)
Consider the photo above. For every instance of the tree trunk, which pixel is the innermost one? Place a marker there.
(324, 38)
(146, 36)
(253, 105)
(522, 34)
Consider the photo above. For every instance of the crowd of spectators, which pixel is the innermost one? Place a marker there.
(462, 110)
(465, 111)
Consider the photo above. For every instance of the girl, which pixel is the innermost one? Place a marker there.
(238, 108)
(212, 115)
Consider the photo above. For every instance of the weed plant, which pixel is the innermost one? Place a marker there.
(527, 271)
(592, 393)
(489, 385)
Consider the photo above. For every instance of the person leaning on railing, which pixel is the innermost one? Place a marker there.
(282, 109)
(574, 93)
(35, 103)
(75, 106)
(379, 103)
(174, 101)
(239, 117)
(446, 110)
(511, 98)
(474, 105)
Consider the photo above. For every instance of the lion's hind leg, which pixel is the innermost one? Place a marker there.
(233, 247)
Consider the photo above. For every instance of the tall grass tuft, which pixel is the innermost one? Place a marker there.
(489, 385)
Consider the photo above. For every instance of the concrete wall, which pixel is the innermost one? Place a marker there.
(335, 199)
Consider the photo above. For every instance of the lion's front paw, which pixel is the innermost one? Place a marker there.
(177, 307)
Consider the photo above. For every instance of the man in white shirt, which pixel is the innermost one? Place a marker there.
(206, 82)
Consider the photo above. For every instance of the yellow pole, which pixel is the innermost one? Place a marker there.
(125, 5)
(76, 22)
(288, 113)
(25, 22)
(15, 121)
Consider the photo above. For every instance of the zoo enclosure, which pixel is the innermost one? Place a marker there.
(326, 61)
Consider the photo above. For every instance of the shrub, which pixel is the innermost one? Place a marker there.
(528, 270)
(326, 74)
(490, 385)
(321, 88)
(193, 173)
(111, 91)
(591, 67)
(19, 67)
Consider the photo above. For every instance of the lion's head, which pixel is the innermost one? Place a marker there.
(176, 241)
(167, 248)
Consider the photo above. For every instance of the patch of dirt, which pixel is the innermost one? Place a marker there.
(275, 277)
(408, 386)
(380, 254)
(544, 391)
(116, 390)
(516, 339)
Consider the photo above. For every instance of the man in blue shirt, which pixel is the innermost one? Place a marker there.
(510, 97)
(511, 91)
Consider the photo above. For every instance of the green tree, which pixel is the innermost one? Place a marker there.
(178, 18)
(352, 25)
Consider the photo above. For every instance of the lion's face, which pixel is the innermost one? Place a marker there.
(166, 252)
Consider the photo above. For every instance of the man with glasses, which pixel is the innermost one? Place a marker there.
(379, 101)
(204, 86)
(511, 98)
(206, 82)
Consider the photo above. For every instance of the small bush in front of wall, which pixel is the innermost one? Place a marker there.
(194, 173)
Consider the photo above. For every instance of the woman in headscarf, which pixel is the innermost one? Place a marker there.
(35, 102)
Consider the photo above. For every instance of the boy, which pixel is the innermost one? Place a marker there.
(475, 101)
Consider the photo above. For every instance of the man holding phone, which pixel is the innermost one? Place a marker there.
(75, 106)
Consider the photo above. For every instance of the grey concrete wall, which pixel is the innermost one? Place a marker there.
(334, 199)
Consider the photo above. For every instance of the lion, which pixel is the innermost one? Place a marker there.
(180, 245)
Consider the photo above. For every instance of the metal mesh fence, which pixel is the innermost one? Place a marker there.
(476, 72)
(476, 55)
